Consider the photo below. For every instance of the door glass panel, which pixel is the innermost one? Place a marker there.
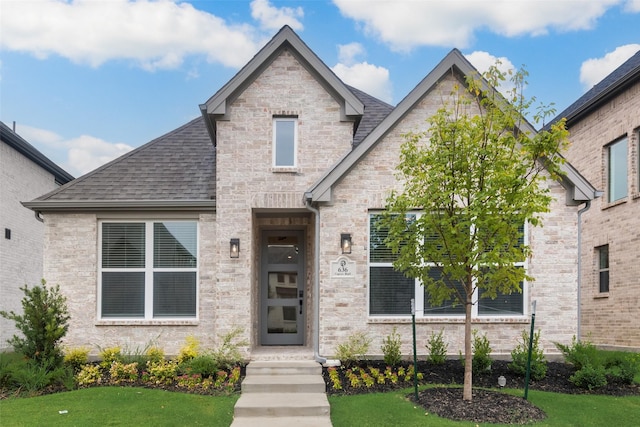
(282, 320)
(282, 250)
(283, 285)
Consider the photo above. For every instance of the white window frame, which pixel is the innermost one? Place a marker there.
(419, 288)
(277, 120)
(149, 269)
(612, 168)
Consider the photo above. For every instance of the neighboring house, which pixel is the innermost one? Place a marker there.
(257, 215)
(604, 125)
(25, 174)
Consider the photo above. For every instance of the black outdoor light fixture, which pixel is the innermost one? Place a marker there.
(234, 250)
(345, 243)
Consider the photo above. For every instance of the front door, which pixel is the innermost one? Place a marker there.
(282, 281)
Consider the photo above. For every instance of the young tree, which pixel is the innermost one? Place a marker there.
(476, 174)
(43, 324)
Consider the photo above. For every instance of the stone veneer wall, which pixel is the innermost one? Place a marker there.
(610, 319)
(344, 302)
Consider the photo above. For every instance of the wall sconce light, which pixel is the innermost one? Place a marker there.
(345, 243)
(234, 250)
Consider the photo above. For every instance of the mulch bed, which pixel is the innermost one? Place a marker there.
(486, 406)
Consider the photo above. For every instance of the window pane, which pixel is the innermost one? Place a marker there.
(122, 294)
(174, 244)
(378, 250)
(503, 304)
(604, 256)
(390, 292)
(618, 170)
(285, 142)
(174, 294)
(447, 307)
(604, 281)
(122, 245)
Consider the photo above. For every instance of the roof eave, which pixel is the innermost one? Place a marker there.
(120, 205)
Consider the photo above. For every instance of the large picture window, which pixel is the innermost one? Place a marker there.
(285, 130)
(148, 269)
(617, 169)
(390, 292)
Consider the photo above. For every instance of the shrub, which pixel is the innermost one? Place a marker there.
(481, 353)
(123, 372)
(204, 365)
(110, 355)
(437, 348)
(89, 375)
(76, 358)
(227, 354)
(189, 350)
(590, 377)
(391, 348)
(163, 372)
(155, 354)
(622, 368)
(355, 348)
(43, 324)
(520, 354)
(579, 353)
(33, 376)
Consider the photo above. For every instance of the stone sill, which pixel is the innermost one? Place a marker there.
(131, 322)
(609, 205)
(285, 170)
(602, 295)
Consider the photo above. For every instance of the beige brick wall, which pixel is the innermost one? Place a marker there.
(344, 302)
(610, 319)
(21, 255)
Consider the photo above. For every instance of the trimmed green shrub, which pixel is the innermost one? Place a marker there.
(579, 353)
(43, 324)
(622, 368)
(589, 377)
(520, 354)
(437, 348)
(392, 354)
(204, 365)
(481, 353)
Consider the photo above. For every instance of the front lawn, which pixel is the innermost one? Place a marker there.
(118, 406)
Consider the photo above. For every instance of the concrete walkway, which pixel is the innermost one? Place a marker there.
(282, 393)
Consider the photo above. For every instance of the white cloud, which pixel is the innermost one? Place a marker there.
(482, 61)
(155, 34)
(594, 70)
(632, 6)
(367, 77)
(77, 155)
(272, 18)
(405, 24)
(347, 53)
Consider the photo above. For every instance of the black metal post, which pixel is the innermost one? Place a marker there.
(526, 380)
(415, 355)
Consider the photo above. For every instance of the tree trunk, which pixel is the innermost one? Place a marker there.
(468, 351)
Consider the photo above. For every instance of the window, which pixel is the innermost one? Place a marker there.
(390, 292)
(285, 130)
(617, 169)
(603, 268)
(148, 269)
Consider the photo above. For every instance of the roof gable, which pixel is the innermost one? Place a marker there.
(579, 189)
(623, 76)
(351, 106)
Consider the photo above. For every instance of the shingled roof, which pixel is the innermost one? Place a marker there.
(176, 170)
(623, 76)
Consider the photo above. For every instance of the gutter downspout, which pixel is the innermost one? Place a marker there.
(316, 285)
(580, 212)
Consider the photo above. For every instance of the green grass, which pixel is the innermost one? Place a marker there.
(118, 406)
(394, 409)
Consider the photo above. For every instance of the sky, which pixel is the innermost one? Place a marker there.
(86, 81)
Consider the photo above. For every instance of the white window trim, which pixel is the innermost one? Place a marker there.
(286, 168)
(419, 289)
(149, 269)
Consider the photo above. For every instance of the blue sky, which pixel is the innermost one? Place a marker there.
(88, 80)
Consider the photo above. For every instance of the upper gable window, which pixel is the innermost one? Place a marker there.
(618, 170)
(285, 141)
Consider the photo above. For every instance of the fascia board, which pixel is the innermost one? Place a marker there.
(116, 205)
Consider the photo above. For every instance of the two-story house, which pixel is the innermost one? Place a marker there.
(604, 126)
(26, 173)
(257, 215)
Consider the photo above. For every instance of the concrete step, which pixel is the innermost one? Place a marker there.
(282, 422)
(284, 367)
(282, 405)
(283, 384)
